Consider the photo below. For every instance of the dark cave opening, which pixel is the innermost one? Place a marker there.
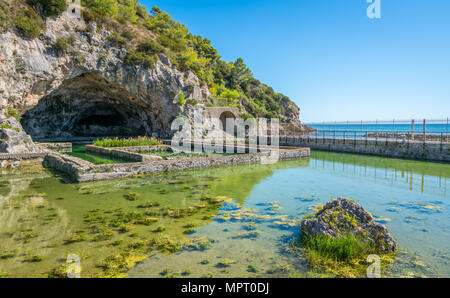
(105, 118)
(88, 106)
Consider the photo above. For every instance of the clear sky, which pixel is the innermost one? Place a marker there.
(331, 59)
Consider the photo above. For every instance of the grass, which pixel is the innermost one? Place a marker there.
(344, 249)
(345, 256)
(130, 142)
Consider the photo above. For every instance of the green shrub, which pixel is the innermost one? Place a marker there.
(4, 15)
(127, 11)
(150, 47)
(29, 23)
(128, 34)
(116, 142)
(246, 116)
(117, 40)
(11, 112)
(192, 102)
(173, 44)
(140, 58)
(108, 8)
(62, 44)
(181, 99)
(50, 7)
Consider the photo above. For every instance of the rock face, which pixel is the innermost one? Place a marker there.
(13, 139)
(342, 216)
(85, 88)
(89, 90)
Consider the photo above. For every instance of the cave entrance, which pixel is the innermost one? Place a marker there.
(101, 120)
(88, 106)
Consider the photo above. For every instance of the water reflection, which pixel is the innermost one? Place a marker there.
(416, 175)
(224, 222)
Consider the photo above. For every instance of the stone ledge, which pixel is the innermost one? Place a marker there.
(60, 147)
(83, 171)
(21, 156)
(128, 153)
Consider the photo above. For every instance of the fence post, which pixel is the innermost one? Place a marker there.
(446, 135)
(366, 140)
(412, 131)
(394, 132)
(376, 133)
(424, 130)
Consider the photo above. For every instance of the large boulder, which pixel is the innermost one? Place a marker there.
(343, 216)
(13, 139)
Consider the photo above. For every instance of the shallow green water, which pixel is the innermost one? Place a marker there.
(97, 159)
(247, 235)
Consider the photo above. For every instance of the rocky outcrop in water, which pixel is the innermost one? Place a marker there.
(342, 216)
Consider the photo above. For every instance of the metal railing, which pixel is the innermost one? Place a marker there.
(390, 131)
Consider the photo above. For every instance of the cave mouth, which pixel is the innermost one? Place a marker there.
(88, 106)
(102, 120)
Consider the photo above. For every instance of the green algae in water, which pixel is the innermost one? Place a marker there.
(203, 212)
(97, 159)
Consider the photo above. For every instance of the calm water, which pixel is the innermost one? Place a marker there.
(97, 159)
(228, 222)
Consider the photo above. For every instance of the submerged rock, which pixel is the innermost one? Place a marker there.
(13, 139)
(343, 216)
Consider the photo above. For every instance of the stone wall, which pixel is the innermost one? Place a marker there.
(60, 147)
(85, 171)
(21, 156)
(432, 151)
(70, 165)
(127, 153)
(216, 112)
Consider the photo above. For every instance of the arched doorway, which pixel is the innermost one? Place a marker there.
(223, 119)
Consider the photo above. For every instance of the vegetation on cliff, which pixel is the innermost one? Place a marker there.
(146, 34)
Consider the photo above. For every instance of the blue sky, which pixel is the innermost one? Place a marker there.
(331, 59)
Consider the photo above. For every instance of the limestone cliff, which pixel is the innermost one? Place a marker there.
(73, 80)
(61, 94)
